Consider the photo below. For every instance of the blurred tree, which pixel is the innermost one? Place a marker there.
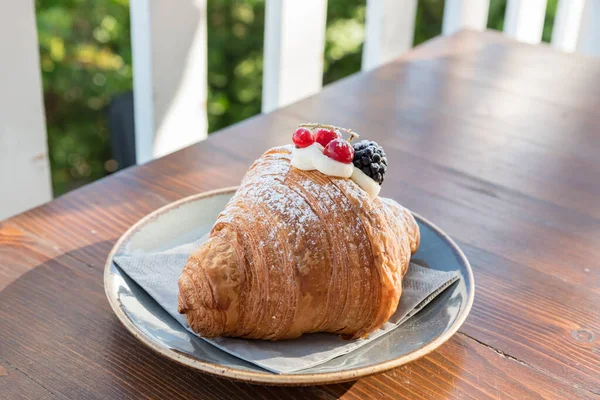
(429, 20)
(344, 39)
(86, 60)
(235, 45)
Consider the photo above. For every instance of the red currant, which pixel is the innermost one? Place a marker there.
(303, 138)
(324, 136)
(340, 150)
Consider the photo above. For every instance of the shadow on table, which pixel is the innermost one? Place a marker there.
(63, 334)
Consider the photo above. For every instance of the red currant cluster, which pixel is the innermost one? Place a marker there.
(327, 136)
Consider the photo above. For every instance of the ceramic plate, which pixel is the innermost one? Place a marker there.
(192, 217)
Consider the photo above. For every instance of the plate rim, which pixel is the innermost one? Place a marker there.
(267, 377)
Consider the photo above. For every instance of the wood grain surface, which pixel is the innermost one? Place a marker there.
(496, 142)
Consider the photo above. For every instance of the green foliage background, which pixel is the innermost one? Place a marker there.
(85, 52)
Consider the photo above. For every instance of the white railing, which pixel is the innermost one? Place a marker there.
(465, 14)
(169, 55)
(24, 166)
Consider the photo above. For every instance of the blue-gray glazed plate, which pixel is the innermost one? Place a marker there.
(187, 219)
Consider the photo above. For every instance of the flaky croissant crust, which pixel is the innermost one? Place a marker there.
(296, 252)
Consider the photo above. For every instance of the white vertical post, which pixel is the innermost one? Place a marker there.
(524, 20)
(465, 14)
(169, 75)
(24, 167)
(390, 29)
(589, 35)
(567, 24)
(293, 51)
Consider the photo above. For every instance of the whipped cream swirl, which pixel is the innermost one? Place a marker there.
(312, 158)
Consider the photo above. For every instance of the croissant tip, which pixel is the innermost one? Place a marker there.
(182, 306)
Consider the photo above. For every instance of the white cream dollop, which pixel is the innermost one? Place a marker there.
(303, 158)
(365, 182)
(312, 157)
(331, 167)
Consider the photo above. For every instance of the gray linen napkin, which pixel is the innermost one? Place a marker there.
(157, 274)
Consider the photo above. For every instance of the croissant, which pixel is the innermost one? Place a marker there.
(297, 252)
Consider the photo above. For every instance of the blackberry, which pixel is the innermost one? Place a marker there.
(370, 158)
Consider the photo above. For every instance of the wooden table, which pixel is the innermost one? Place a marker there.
(496, 142)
